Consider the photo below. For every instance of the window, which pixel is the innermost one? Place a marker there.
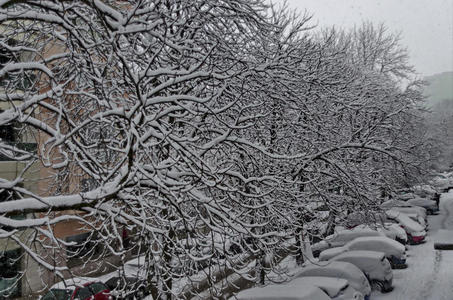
(84, 244)
(99, 140)
(88, 184)
(10, 135)
(10, 266)
(27, 79)
(6, 195)
(81, 247)
(5, 57)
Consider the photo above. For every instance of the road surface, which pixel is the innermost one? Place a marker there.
(430, 272)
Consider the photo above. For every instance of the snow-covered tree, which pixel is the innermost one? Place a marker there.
(203, 129)
(137, 108)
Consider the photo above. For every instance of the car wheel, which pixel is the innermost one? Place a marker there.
(392, 263)
(401, 241)
(377, 285)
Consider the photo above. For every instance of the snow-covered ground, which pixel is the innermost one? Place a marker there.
(430, 272)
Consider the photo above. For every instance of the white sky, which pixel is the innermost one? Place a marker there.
(426, 26)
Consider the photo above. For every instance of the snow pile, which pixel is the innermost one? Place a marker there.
(443, 240)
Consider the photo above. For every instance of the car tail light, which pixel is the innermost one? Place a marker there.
(418, 238)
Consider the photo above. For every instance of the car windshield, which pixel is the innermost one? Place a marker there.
(58, 294)
(97, 287)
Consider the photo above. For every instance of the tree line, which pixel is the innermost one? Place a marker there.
(206, 128)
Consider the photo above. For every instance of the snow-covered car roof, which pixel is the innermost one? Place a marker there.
(73, 282)
(405, 221)
(442, 180)
(347, 235)
(377, 243)
(320, 246)
(332, 252)
(331, 286)
(365, 254)
(395, 203)
(362, 231)
(399, 232)
(422, 202)
(425, 188)
(338, 269)
(420, 211)
(384, 229)
(302, 291)
(372, 263)
(406, 196)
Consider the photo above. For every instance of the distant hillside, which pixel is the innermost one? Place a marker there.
(440, 87)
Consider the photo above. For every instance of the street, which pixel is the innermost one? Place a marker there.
(430, 272)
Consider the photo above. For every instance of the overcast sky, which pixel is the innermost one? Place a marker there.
(426, 26)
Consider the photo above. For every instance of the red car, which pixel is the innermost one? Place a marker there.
(78, 289)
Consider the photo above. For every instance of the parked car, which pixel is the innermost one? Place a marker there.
(373, 264)
(339, 269)
(430, 205)
(335, 288)
(332, 252)
(128, 288)
(406, 196)
(81, 288)
(390, 230)
(401, 235)
(415, 231)
(404, 207)
(302, 291)
(340, 238)
(424, 190)
(417, 219)
(442, 181)
(394, 251)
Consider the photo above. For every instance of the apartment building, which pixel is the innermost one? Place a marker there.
(20, 275)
